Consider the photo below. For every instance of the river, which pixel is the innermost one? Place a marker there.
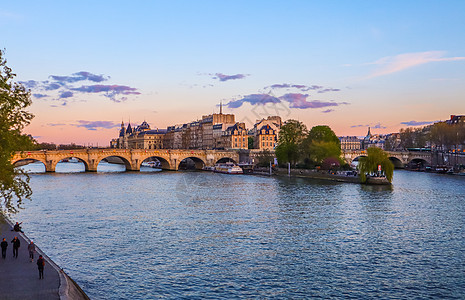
(198, 235)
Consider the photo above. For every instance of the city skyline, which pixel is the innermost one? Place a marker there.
(348, 65)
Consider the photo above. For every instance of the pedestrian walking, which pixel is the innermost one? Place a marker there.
(40, 266)
(31, 248)
(16, 244)
(4, 245)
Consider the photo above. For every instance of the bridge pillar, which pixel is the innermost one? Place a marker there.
(174, 164)
(92, 165)
(135, 166)
(50, 166)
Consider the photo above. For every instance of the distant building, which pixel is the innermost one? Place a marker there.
(266, 138)
(454, 119)
(373, 140)
(350, 143)
(143, 137)
(234, 137)
(265, 132)
(215, 131)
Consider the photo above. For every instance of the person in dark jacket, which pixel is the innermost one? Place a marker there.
(4, 245)
(31, 248)
(16, 244)
(40, 266)
(17, 227)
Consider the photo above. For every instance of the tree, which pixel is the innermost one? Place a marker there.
(250, 142)
(368, 165)
(319, 150)
(443, 135)
(320, 143)
(322, 133)
(291, 135)
(14, 98)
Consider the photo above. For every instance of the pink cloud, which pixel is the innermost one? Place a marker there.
(393, 64)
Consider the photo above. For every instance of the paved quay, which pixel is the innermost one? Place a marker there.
(19, 277)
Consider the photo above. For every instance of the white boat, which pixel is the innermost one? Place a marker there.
(152, 164)
(228, 168)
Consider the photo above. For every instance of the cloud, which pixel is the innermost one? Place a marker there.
(79, 76)
(56, 124)
(66, 94)
(297, 100)
(327, 111)
(94, 125)
(253, 99)
(357, 126)
(30, 84)
(52, 86)
(62, 87)
(328, 90)
(38, 96)
(304, 88)
(416, 123)
(393, 64)
(379, 126)
(223, 77)
(110, 91)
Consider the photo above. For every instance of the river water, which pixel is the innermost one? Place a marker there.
(200, 235)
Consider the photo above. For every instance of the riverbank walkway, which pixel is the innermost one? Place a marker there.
(19, 277)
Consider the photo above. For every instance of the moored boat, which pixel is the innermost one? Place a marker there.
(228, 168)
(152, 164)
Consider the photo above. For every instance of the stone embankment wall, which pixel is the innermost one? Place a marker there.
(325, 175)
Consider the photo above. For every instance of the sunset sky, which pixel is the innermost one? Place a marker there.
(346, 64)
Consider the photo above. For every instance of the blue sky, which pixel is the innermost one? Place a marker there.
(347, 64)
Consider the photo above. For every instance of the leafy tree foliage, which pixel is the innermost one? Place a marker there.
(322, 133)
(320, 143)
(14, 98)
(250, 142)
(291, 136)
(413, 137)
(368, 165)
(448, 136)
(319, 150)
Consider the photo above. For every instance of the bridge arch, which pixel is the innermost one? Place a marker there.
(417, 164)
(165, 164)
(357, 158)
(225, 160)
(62, 159)
(126, 162)
(199, 164)
(25, 161)
(397, 162)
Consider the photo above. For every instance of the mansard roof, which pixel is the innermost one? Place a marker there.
(267, 128)
(154, 131)
(143, 126)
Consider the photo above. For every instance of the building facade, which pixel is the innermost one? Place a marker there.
(142, 137)
(265, 133)
(266, 138)
(350, 143)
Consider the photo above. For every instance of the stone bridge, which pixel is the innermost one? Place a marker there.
(400, 159)
(132, 158)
